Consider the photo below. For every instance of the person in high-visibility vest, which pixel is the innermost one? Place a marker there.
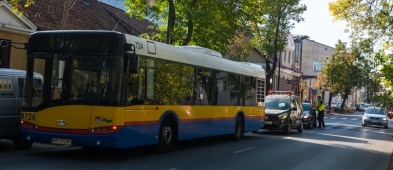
(321, 110)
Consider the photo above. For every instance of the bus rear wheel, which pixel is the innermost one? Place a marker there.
(239, 129)
(166, 138)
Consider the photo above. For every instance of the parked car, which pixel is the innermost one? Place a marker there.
(347, 108)
(11, 100)
(375, 116)
(283, 112)
(358, 106)
(310, 117)
(364, 107)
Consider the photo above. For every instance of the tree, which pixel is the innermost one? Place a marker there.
(193, 22)
(342, 72)
(371, 24)
(272, 28)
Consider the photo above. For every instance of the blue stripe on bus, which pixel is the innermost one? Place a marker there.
(140, 135)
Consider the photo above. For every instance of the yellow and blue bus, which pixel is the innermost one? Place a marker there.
(109, 89)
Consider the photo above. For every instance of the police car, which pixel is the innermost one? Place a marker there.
(283, 111)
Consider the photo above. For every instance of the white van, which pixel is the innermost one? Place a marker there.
(11, 101)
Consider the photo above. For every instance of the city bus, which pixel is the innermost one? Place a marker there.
(113, 90)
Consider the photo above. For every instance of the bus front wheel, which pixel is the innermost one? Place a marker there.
(166, 138)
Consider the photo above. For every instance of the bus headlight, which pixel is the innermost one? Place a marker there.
(283, 116)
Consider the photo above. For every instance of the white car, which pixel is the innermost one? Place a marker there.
(375, 116)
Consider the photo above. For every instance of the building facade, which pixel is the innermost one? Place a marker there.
(309, 56)
(13, 29)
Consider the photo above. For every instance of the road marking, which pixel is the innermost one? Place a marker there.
(344, 118)
(354, 119)
(243, 150)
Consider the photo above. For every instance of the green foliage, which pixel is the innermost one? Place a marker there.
(342, 73)
(371, 26)
(239, 48)
(207, 23)
(271, 23)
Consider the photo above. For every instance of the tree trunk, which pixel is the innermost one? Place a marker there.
(330, 101)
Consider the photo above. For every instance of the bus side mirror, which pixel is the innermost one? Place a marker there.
(134, 62)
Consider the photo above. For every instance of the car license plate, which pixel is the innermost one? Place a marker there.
(61, 141)
(268, 122)
(375, 121)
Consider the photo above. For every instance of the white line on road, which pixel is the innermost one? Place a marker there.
(243, 150)
(344, 118)
(354, 119)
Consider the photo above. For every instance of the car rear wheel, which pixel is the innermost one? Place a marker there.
(386, 126)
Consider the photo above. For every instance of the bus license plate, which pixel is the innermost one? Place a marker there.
(61, 141)
(268, 122)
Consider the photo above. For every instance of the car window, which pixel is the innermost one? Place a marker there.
(306, 107)
(376, 111)
(277, 104)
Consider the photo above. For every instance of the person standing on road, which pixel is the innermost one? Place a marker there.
(321, 110)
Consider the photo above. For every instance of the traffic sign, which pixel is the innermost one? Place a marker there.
(291, 82)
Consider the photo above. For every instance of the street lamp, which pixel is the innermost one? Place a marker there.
(150, 3)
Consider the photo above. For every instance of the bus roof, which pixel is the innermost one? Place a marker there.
(193, 55)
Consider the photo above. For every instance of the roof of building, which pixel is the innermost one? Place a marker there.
(85, 15)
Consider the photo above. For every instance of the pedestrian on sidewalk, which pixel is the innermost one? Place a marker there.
(321, 110)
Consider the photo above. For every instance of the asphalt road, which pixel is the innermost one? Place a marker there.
(343, 144)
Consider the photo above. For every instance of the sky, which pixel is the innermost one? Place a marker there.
(318, 24)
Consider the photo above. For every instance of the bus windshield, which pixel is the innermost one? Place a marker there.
(84, 79)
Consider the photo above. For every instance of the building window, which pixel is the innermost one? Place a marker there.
(285, 55)
(317, 66)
